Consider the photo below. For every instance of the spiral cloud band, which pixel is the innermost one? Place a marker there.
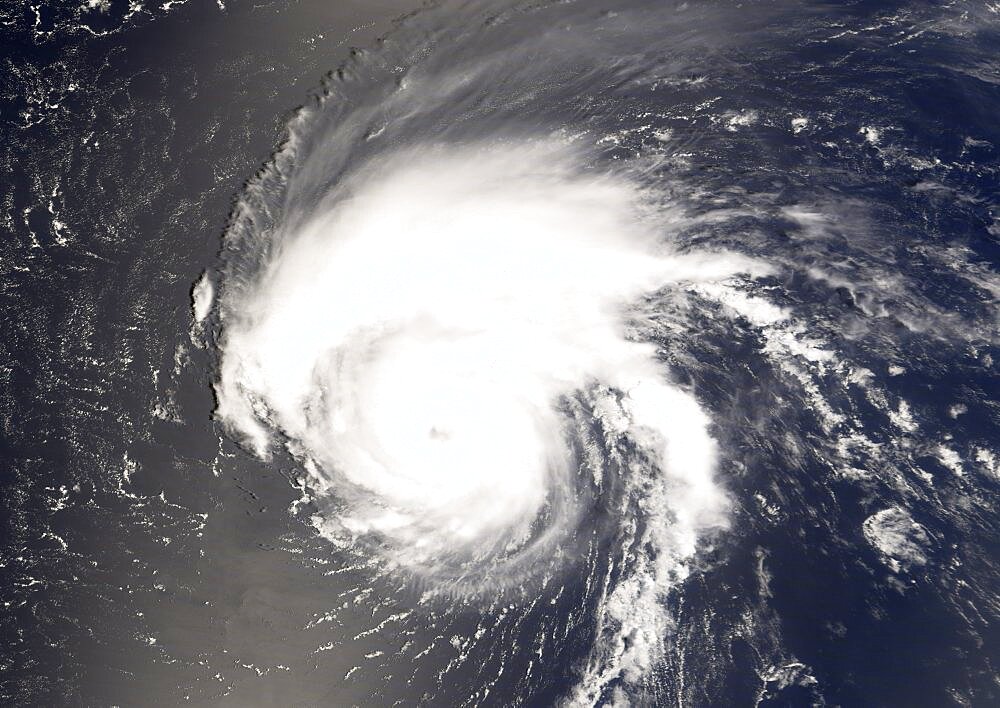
(416, 341)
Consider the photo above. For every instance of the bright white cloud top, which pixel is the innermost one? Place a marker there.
(451, 345)
(417, 341)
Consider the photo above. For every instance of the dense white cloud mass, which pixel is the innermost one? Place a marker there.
(416, 338)
(901, 540)
(452, 343)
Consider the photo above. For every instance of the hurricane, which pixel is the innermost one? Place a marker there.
(427, 340)
(452, 343)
